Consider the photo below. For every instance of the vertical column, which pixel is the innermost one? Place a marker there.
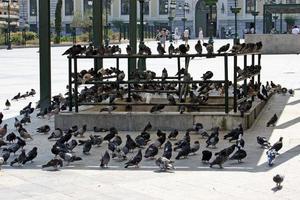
(98, 29)
(132, 36)
(70, 85)
(259, 63)
(245, 81)
(235, 84)
(226, 82)
(45, 54)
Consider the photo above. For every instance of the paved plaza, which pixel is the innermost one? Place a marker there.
(191, 179)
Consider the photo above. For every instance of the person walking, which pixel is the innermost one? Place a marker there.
(201, 35)
(186, 36)
(163, 37)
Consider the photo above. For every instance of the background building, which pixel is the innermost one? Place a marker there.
(11, 14)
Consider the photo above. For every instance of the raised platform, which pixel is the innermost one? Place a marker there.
(135, 121)
(276, 43)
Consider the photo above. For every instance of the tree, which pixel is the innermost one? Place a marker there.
(58, 21)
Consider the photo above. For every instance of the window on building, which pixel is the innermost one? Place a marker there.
(33, 7)
(146, 8)
(69, 7)
(249, 6)
(162, 7)
(124, 7)
(68, 28)
(290, 1)
(87, 5)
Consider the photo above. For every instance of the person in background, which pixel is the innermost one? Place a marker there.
(176, 35)
(186, 36)
(163, 37)
(201, 35)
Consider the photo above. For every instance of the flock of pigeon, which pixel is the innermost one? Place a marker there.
(143, 49)
(32, 92)
(64, 143)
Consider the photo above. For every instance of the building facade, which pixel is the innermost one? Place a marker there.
(9, 11)
(188, 14)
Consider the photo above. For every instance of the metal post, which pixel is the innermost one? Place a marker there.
(253, 63)
(75, 85)
(45, 54)
(70, 84)
(210, 41)
(280, 22)
(132, 37)
(245, 81)
(8, 26)
(179, 77)
(106, 23)
(259, 63)
(36, 19)
(226, 82)
(235, 83)
(141, 20)
(97, 29)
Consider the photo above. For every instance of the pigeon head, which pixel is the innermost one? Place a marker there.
(280, 139)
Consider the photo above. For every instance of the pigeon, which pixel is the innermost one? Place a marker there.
(151, 151)
(25, 135)
(54, 164)
(97, 129)
(25, 119)
(68, 157)
(117, 140)
(3, 131)
(291, 92)
(87, 147)
(71, 145)
(272, 121)
(145, 135)
(184, 152)
(183, 49)
(164, 74)
(17, 123)
(11, 137)
(75, 50)
(206, 156)
(181, 71)
(128, 50)
(43, 129)
(219, 160)
(20, 159)
(119, 154)
(198, 47)
(239, 155)
(264, 91)
(108, 109)
(209, 49)
(140, 141)
(164, 164)
(277, 146)
(5, 154)
(261, 97)
(234, 133)
(207, 75)
(224, 48)
(278, 179)
(167, 150)
(130, 143)
(112, 132)
(57, 133)
(263, 142)
(81, 131)
(65, 138)
(160, 49)
(148, 127)
(171, 49)
(32, 92)
(2, 143)
(97, 139)
(135, 160)
(173, 134)
(31, 155)
(171, 99)
(157, 108)
(7, 104)
(16, 97)
(227, 151)
(213, 139)
(195, 147)
(105, 160)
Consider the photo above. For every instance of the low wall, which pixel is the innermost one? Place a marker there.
(135, 121)
(276, 43)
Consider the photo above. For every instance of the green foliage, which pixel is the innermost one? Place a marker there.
(290, 20)
(58, 21)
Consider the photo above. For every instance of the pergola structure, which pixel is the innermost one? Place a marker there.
(98, 29)
(270, 9)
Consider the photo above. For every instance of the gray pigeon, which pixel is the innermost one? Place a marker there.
(20, 159)
(135, 160)
(87, 147)
(53, 164)
(278, 179)
(164, 164)
(105, 160)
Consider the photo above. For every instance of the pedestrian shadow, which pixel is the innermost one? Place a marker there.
(279, 160)
(293, 103)
(288, 123)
